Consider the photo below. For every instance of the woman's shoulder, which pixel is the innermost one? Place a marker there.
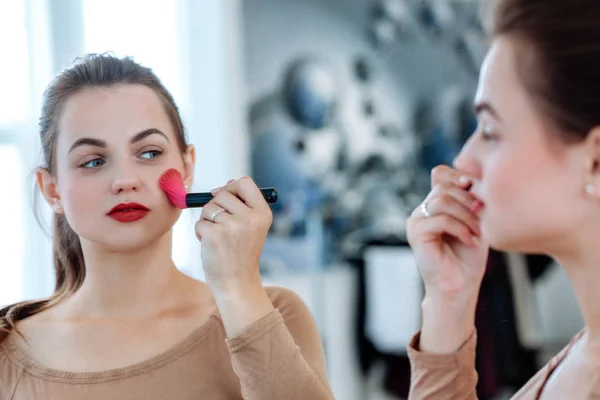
(11, 341)
(298, 319)
(282, 296)
(10, 369)
(288, 302)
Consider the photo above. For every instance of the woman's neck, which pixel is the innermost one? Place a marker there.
(582, 266)
(125, 285)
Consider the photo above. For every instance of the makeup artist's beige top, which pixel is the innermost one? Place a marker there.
(278, 357)
(453, 376)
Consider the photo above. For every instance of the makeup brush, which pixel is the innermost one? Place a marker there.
(172, 183)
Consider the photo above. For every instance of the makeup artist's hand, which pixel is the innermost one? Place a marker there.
(233, 228)
(447, 244)
(451, 258)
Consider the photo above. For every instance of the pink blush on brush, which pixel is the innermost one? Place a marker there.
(172, 183)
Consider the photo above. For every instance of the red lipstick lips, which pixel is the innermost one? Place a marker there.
(128, 212)
(477, 206)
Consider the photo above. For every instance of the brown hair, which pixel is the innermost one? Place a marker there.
(558, 44)
(92, 70)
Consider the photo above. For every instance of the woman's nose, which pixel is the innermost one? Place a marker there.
(466, 161)
(125, 179)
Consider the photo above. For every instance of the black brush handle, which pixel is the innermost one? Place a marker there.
(196, 200)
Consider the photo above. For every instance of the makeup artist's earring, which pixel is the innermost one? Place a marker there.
(590, 189)
(186, 187)
(57, 207)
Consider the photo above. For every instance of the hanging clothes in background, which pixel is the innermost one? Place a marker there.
(397, 376)
(502, 361)
(395, 288)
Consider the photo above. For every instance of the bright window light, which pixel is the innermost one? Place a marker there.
(12, 226)
(14, 68)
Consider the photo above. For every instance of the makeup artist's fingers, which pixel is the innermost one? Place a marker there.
(210, 209)
(230, 202)
(436, 226)
(248, 192)
(449, 199)
(446, 204)
(205, 231)
(446, 174)
(461, 195)
(218, 189)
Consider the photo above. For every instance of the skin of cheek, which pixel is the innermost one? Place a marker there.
(527, 197)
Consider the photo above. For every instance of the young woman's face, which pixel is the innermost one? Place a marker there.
(530, 183)
(112, 147)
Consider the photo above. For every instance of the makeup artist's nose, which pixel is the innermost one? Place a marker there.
(466, 161)
(126, 179)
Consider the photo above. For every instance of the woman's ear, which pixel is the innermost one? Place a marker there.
(592, 165)
(49, 189)
(189, 163)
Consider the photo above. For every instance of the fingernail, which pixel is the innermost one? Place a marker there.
(463, 180)
(217, 189)
(476, 241)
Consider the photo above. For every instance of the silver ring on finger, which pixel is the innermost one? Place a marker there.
(424, 209)
(216, 214)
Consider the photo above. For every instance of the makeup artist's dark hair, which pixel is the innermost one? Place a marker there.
(90, 71)
(558, 44)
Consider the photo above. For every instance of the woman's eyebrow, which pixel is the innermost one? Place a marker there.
(102, 144)
(487, 107)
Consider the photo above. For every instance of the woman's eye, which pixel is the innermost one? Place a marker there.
(150, 154)
(488, 133)
(95, 163)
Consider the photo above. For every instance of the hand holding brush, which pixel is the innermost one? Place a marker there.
(232, 228)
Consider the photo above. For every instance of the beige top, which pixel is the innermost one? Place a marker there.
(453, 376)
(278, 357)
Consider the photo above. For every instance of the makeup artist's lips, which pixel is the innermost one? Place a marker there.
(477, 205)
(128, 212)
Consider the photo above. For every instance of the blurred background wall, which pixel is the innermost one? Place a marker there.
(344, 105)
